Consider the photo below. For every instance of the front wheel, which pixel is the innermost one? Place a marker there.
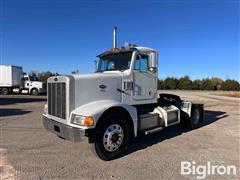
(112, 138)
(34, 92)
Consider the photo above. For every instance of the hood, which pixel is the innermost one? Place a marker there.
(38, 84)
(97, 86)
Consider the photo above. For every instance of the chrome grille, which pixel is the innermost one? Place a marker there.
(57, 99)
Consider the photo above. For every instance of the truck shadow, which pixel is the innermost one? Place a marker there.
(144, 141)
(8, 101)
(12, 112)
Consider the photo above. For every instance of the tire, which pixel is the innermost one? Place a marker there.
(4, 91)
(196, 119)
(113, 138)
(34, 92)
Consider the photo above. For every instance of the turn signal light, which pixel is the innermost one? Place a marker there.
(89, 121)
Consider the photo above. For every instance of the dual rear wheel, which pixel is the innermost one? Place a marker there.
(4, 91)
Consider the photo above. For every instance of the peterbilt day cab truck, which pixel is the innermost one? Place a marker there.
(13, 80)
(116, 103)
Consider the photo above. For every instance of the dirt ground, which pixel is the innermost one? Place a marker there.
(28, 151)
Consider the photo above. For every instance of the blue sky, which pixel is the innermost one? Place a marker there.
(195, 38)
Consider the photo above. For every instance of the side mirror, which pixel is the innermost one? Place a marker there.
(152, 69)
(95, 65)
(152, 62)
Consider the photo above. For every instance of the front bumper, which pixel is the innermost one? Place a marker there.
(63, 130)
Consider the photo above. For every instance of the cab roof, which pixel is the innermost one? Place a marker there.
(123, 50)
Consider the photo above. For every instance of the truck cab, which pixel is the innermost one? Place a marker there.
(116, 103)
(13, 79)
(32, 86)
(137, 67)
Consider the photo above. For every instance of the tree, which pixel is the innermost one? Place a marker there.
(185, 83)
(196, 84)
(217, 82)
(207, 84)
(45, 75)
(33, 73)
(170, 83)
(160, 84)
(230, 85)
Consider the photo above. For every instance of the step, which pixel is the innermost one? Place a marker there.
(153, 130)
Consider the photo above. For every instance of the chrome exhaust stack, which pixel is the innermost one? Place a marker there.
(115, 37)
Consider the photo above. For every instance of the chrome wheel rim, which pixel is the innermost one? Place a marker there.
(113, 137)
(196, 117)
(34, 92)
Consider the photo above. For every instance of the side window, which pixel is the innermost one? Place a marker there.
(103, 65)
(111, 66)
(141, 63)
(25, 79)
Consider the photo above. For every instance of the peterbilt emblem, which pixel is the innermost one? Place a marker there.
(102, 86)
(55, 79)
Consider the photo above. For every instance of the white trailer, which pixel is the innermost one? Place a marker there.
(12, 79)
(116, 103)
(10, 76)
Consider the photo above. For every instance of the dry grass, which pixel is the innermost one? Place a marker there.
(228, 93)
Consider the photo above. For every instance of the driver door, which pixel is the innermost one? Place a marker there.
(27, 83)
(144, 85)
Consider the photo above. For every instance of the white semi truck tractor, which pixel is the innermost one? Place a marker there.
(13, 80)
(116, 103)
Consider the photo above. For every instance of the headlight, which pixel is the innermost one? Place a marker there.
(45, 110)
(82, 120)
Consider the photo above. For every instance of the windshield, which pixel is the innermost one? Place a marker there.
(113, 62)
(33, 78)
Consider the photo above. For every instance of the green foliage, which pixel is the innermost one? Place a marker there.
(216, 80)
(196, 84)
(160, 84)
(185, 83)
(230, 85)
(33, 73)
(207, 84)
(43, 76)
(170, 83)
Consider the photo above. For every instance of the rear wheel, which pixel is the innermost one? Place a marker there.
(34, 92)
(112, 139)
(196, 119)
(4, 91)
